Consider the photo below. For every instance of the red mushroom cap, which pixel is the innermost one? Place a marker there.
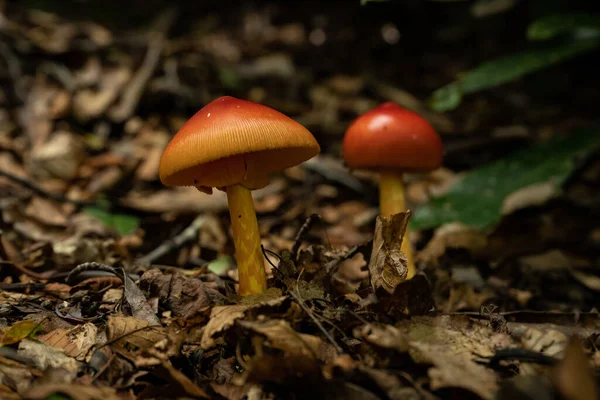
(392, 137)
(232, 141)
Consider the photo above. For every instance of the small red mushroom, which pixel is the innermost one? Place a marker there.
(233, 145)
(393, 140)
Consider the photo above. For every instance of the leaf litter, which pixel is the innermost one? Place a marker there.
(113, 287)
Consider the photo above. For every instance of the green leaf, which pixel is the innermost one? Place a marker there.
(122, 223)
(477, 199)
(221, 265)
(20, 330)
(554, 25)
(506, 69)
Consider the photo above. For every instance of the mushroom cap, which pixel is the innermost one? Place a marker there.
(232, 141)
(392, 137)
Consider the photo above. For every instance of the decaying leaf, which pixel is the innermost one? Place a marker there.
(280, 335)
(454, 371)
(281, 353)
(573, 376)
(129, 334)
(74, 391)
(75, 342)
(223, 318)
(185, 296)
(388, 265)
(383, 336)
(19, 331)
(46, 356)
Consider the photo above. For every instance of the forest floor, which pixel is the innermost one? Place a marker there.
(113, 286)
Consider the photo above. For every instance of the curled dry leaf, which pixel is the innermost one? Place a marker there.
(185, 296)
(223, 317)
(280, 335)
(388, 265)
(75, 342)
(453, 235)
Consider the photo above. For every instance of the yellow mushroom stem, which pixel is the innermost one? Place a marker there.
(251, 267)
(392, 201)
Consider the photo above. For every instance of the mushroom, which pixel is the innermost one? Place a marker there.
(393, 140)
(233, 145)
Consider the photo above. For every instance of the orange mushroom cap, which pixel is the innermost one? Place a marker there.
(232, 141)
(392, 137)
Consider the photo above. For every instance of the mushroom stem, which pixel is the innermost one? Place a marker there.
(392, 201)
(251, 267)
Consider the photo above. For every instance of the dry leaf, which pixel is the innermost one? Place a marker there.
(388, 265)
(186, 296)
(222, 318)
(280, 335)
(383, 336)
(74, 391)
(75, 342)
(19, 331)
(129, 333)
(573, 376)
(58, 157)
(46, 356)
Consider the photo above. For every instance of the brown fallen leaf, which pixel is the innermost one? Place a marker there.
(75, 342)
(185, 296)
(75, 392)
(453, 371)
(383, 336)
(47, 357)
(128, 335)
(388, 265)
(410, 298)
(88, 104)
(58, 157)
(280, 335)
(224, 317)
(178, 387)
(280, 354)
(452, 236)
(573, 376)
(16, 375)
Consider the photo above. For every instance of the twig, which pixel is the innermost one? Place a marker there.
(187, 234)
(29, 272)
(331, 266)
(265, 254)
(334, 170)
(302, 232)
(133, 92)
(316, 321)
(14, 71)
(42, 192)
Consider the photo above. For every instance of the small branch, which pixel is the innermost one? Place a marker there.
(186, 235)
(43, 192)
(302, 232)
(316, 321)
(133, 92)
